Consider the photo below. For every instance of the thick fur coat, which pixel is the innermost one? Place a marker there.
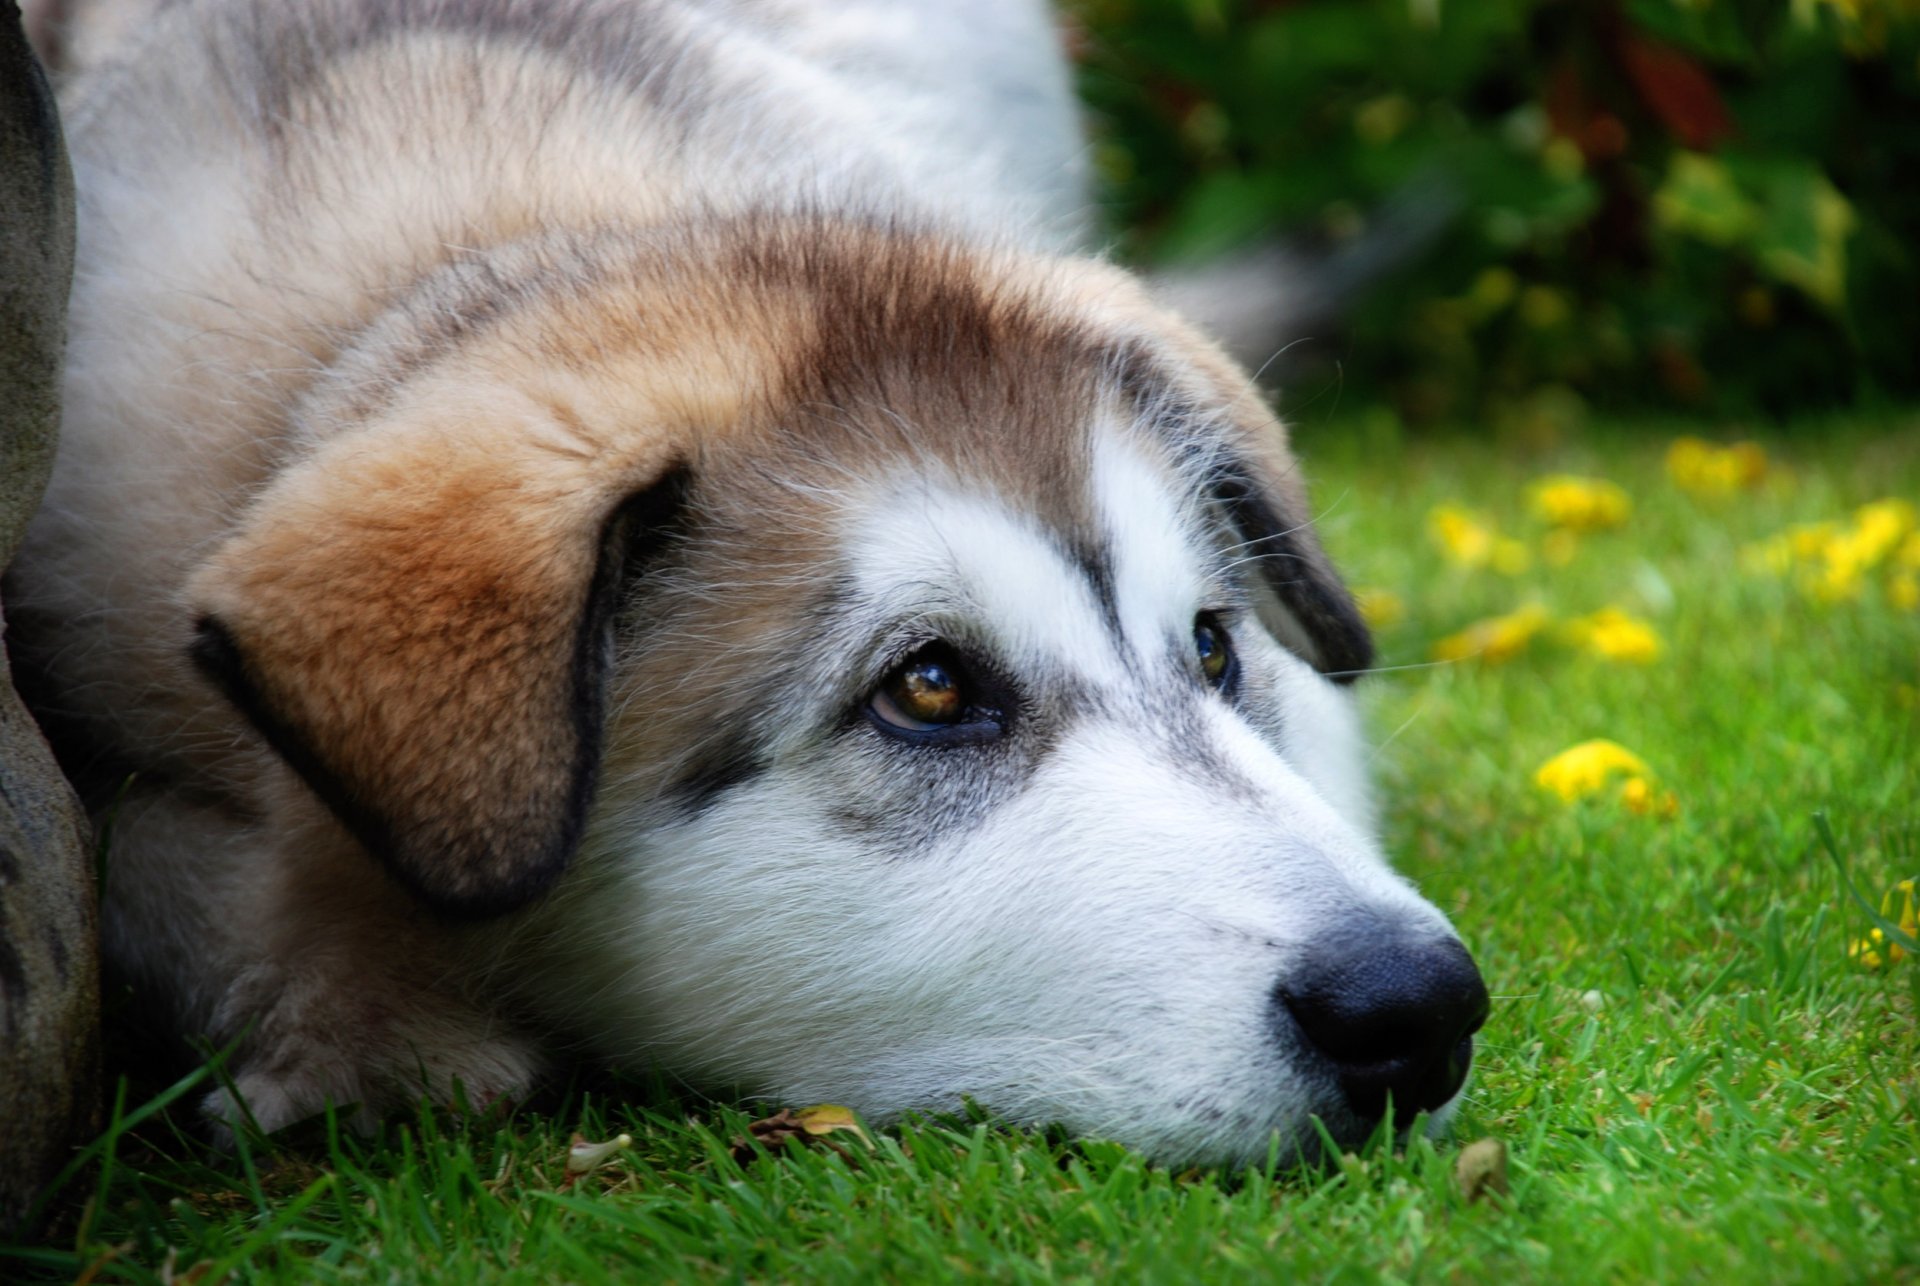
(626, 529)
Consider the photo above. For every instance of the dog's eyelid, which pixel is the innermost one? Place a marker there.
(989, 698)
(893, 646)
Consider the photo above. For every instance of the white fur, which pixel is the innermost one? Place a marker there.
(1092, 933)
(1101, 951)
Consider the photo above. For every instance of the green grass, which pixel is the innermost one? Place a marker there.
(1693, 1080)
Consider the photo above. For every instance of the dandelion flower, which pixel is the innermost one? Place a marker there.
(1831, 561)
(1496, 639)
(1708, 470)
(1612, 635)
(1642, 800)
(1875, 950)
(1578, 504)
(1809, 540)
(1637, 794)
(1881, 526)
(1463, 536)
(1586, 769)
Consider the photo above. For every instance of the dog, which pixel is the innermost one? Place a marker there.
(635, 531)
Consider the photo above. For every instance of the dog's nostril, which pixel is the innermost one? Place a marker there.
(1395, 1018)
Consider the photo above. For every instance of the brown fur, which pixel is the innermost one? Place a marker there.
(392, 477)
(402, 610)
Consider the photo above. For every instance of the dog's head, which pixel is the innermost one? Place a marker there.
(883, 671)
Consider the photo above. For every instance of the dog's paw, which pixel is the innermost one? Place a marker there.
(297, 1079)
(267, 1103)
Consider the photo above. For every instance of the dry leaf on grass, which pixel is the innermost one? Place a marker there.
(1481, 1170)
(808, 1125)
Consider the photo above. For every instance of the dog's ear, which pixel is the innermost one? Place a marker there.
(1261, 493)
(1203, 399)
(421, 625)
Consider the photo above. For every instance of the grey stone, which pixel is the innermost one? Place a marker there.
(49, 988)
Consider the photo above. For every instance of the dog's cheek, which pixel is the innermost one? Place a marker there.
(1323, 739)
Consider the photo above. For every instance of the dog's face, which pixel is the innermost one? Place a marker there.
(926, 656)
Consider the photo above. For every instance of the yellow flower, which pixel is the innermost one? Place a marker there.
(1837, 580)
(1879, 527)
(1496, 639)
(1847, 555)
(1708, 470)
(1832, 561)
(1382, 608)
(1875, 950)
(1579, 504)
(1866, 951)
(1809, 540)
(1614, 636)
(1585, 769)
(1462, 535)
(1638, 794)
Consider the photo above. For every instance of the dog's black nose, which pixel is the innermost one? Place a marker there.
(1394, 1017)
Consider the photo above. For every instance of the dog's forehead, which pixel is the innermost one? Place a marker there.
(1115, 542)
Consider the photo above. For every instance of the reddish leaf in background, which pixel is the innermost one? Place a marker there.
(1599, 134)
(1676, 89)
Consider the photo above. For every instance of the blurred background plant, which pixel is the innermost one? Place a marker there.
(1530, 207)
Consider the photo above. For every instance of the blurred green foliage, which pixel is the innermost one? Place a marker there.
(1705, 204)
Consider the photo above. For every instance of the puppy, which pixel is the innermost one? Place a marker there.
(623, 529)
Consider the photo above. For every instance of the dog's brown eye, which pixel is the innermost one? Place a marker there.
(922, 694)
(1215, 653)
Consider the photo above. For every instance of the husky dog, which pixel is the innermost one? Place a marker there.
(624, 529)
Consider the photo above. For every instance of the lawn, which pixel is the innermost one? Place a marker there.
(1691, 1074)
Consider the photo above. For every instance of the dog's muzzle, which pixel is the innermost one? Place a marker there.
(1395, 1018)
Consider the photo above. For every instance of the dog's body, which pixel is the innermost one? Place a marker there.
(646, 473)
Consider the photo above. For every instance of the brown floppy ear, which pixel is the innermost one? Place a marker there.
(422, 628)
